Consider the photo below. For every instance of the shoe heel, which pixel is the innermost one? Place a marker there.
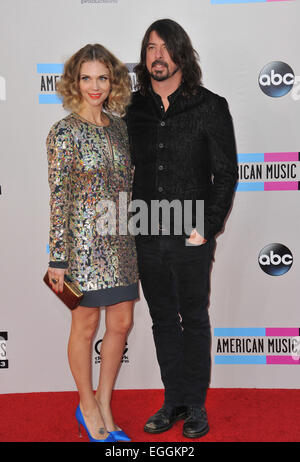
(80, 421)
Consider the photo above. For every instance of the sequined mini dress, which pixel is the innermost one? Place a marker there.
(90, 176)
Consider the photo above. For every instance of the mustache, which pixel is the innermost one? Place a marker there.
(158, 61)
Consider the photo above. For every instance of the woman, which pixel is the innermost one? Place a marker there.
(89, 163)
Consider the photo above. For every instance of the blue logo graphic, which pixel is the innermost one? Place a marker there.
(49, 73)
(257, 345)
(269, 171)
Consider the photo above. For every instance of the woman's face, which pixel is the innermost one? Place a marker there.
(94, 83)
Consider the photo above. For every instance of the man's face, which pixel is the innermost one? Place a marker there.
(158, 60)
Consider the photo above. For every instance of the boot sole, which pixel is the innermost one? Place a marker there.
(164, 429)
(194, 434)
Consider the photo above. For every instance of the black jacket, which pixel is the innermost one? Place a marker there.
(185, 153)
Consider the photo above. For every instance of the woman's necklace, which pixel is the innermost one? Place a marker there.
(99, 124)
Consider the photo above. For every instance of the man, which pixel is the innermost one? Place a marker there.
(183, 149)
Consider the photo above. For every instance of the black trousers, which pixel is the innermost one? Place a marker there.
(175, 280)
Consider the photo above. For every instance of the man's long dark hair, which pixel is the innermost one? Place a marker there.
(181, 52)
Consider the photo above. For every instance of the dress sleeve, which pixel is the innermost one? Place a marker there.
(60, 154)
(223, 159)
(125, 138)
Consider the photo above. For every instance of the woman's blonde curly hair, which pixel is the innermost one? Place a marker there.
(68, 85)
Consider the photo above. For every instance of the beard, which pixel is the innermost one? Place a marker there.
(160, 76)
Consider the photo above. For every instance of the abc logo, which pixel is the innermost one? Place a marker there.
(275, 259)
(276, 79)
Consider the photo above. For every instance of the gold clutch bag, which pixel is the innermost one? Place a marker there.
(71, 295)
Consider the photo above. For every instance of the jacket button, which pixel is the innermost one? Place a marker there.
(160, 167)
(162, 124)
(161, 145)
(160, 189)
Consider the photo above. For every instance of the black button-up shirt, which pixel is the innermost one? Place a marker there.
(186, 153)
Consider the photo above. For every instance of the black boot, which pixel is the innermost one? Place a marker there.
(165, 418)
(196, 423)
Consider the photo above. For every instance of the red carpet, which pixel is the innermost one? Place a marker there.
(235, 415)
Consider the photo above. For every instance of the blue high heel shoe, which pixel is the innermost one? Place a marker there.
(119, 435)
(80, 420)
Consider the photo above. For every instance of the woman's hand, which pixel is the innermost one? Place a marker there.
(196, 238)
(56, 278)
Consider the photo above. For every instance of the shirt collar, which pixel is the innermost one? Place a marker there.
(171, 97)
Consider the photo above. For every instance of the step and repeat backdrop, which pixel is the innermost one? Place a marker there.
(249, 53)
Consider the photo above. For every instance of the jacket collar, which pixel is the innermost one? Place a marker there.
(171, 97)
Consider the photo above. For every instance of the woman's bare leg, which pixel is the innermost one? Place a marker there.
(118, 323)
(84, 324)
